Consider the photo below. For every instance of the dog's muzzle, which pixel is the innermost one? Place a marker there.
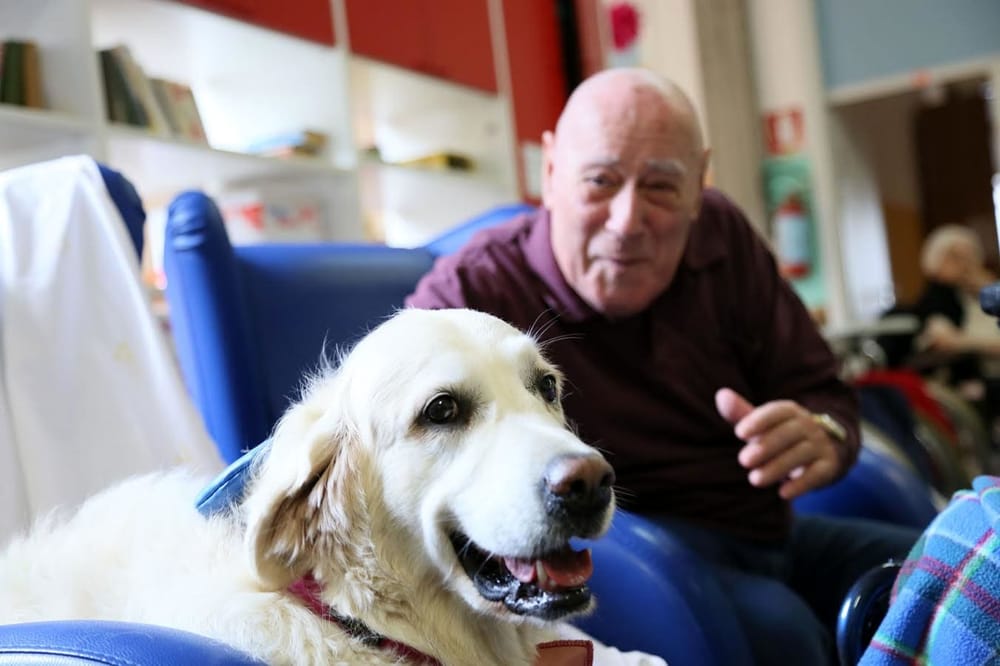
(576, 492)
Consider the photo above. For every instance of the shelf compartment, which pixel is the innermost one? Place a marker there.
(24, 129)
(161, 165)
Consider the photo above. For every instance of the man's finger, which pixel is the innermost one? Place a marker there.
(816, 475)
(768, 416)
(731, 405)
(781, 466)
(762, 448)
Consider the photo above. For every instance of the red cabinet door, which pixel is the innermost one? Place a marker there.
(538, 79)
(390, 31)
(238, 9)
(309, 19)
(448, 39)
(534, 53)
(460, 42)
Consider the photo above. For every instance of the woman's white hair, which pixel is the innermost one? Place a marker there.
(943, 239)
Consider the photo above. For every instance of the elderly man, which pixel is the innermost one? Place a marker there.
(690, 361)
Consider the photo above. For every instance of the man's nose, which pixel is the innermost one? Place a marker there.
(626, 211)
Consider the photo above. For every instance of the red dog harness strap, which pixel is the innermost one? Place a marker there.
(307, 590)
(554, 653)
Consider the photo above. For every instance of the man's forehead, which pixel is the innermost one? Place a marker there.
(670, 166)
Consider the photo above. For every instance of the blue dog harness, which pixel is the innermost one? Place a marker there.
(226, 490)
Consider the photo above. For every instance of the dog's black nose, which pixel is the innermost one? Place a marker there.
(579, 485)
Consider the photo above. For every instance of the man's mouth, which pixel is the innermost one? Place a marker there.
(549, 587)
(624, 261)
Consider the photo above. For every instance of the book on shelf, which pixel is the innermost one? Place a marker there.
(179, 109)
(34, 97)
(20, 74)
(285, 144)
(122, 99)
(443, 160)
(439, 161)
(165, 108)
(143, 91)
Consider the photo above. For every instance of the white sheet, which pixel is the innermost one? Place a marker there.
(605, 655)
(89, 392)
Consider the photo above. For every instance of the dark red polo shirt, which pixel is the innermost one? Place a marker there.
(642, 388)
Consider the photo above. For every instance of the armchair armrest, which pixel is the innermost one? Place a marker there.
(78, 642)
(654, 595)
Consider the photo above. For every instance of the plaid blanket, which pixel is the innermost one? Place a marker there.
(945, 606)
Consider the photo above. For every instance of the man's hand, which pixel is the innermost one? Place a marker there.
(784, 443)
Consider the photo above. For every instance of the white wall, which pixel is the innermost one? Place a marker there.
(669, 47)
(788, 73)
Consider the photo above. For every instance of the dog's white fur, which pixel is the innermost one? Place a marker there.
(356, 491)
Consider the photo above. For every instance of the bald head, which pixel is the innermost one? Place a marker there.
(622, 95)
(622, 179)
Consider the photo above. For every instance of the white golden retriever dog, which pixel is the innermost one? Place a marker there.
(424, 491)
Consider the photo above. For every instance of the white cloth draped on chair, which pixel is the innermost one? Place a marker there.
(89, 392)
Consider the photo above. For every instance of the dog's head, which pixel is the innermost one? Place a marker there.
(437, 450)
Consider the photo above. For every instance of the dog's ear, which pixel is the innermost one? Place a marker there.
(302, 503)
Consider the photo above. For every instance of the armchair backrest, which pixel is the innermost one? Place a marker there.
(249, 322)
(127, 202)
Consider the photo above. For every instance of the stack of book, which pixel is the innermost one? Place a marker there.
(439, 161)
(20, 74)
(287, 144)
(166, 108)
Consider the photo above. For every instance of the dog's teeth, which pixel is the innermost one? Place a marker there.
(543, 578)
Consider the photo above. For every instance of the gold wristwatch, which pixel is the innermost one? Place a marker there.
(832, 428)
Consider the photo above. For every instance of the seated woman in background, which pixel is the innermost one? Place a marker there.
(954, 326)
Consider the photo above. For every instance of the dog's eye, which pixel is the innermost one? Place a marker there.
(442, 408)
(548, 388)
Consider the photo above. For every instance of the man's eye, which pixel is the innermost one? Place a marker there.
(600, 181)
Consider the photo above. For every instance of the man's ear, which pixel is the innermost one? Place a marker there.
(548, 155)
(702, 177)
(703, 171)
(302, 502)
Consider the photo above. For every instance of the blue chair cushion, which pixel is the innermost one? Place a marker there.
(453, 239)
(79, 642)
(876, 488)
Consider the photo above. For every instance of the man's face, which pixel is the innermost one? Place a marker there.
(622, 185)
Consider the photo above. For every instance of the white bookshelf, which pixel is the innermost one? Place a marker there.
(212, 168)
(72, 121)
(407, 116)
(249, 83)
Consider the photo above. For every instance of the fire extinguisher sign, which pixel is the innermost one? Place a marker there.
(788, 193)
(791, 237)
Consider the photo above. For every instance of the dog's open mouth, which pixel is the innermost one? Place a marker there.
(548, 587)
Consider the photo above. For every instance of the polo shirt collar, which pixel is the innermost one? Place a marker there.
(559, 296)
(704, 247)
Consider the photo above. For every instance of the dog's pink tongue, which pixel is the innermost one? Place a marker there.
(569, 568)
(522, 569)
